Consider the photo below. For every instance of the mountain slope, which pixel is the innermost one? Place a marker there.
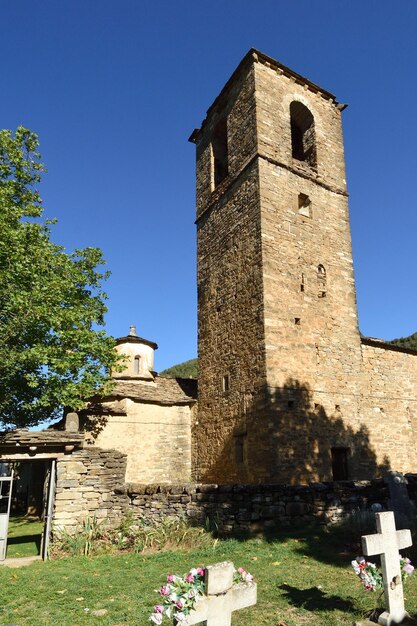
(188, 369)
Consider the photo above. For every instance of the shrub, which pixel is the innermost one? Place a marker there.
(147, 534)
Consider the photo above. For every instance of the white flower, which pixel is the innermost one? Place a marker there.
(180, 617)
(156, 618)
(247, 577)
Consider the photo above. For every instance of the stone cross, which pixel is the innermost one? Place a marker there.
(222, 597)
(387, 542)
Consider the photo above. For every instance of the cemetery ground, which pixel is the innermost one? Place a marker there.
(304, 577)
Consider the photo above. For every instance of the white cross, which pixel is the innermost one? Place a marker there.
(222, 597)
(387, 543)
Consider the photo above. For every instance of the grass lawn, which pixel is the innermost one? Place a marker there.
(24, 537)
(302, 579)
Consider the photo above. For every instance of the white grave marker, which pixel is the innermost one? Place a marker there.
(387, 542)
(222, 597)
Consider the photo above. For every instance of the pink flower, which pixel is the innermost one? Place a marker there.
(200, 571)
(408, 568)
(179, 604)
(189, 578)
(165, 590)
(158, 608)
(171, 578)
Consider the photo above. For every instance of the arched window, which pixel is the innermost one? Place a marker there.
(321, 281)
(136, 364)
(303, 135)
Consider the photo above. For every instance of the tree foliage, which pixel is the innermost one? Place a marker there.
(51, 302)
(406, 342)
(187, 369)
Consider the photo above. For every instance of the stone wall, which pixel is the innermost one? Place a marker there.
(389, 403)
(230, 303)
(285, 337)
(90, 483)
(85, 487)
(255, 507)
(155, 438)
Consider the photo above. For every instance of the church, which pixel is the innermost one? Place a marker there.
(289, 392)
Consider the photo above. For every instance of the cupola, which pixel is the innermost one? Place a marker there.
(139, 356)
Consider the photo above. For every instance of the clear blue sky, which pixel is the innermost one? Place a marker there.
(114, 88)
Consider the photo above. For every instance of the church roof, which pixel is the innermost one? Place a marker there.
(164, 391)
(386, 345)
(136, 339)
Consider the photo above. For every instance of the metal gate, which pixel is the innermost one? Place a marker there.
(6, 484)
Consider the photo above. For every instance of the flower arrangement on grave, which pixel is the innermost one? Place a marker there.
(370, 575)
(180, 594)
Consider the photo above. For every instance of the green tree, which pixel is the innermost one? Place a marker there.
(53, 352)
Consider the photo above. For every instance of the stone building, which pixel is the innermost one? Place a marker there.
(288, 389)
(147, 417)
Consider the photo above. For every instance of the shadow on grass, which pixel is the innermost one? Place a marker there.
(313, 599)
(35, 539)
(331, 546)
(24, 536)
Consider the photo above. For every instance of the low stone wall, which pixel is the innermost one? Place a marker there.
(255, 507)
(90, 483)
(85, 487)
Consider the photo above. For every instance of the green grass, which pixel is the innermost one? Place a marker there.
(302, 579)
(24, 537)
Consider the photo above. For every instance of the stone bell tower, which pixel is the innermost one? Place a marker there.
(279, 346)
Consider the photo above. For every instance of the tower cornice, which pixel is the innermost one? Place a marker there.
(255, 56)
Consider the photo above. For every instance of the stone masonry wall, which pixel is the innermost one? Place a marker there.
(286, 338)
(313, 355)
(255, 507)
(156, 440)
(86, 483)
(389, 404)
(230, 302)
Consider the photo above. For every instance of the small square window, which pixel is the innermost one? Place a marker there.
(297, 321)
